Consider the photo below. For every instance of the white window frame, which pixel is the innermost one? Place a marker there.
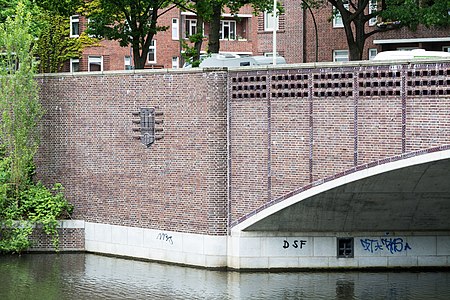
(74, 19)
(337, 19)
(269, 20)
(175, 62)
(191, 27)
(231, 24)
(95, 59)
(340, 55)
(152, 49)
(373, 6)
(127, 62)
(72, 62)
(372, 53)
(175, 29)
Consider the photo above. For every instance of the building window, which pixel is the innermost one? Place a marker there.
(151, 58)
(175, 29)
(95, 63)
(372, 53)
(340, 55)
(372, 9)
(175, 62)
(337, 18)
(446, 48)
(270, 20)
(74, 65)
(74, 26)
(345, 248)
(127, 62)
(191, 27)
(227, 30)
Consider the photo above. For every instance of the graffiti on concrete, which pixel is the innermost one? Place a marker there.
(393, 245)
(165, 237)
(295, 244)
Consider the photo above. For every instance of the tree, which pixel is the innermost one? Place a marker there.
(49, 26)
(23, 203)
(192, 49)
(210, 11)
(411, 13)
(217, 6)
(355, 14)
(128, 22)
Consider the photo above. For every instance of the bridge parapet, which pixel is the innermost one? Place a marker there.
(294, 128)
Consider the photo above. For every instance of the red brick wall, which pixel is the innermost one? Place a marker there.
(288, 130)
(70, 239)
(179, 183)
(292, 129)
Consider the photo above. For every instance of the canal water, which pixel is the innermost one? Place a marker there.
(89, 276)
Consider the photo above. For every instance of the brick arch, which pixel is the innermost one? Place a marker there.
(361, 172)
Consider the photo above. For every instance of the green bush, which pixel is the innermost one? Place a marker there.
(24, 204)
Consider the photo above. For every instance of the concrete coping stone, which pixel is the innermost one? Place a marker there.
(362, 63)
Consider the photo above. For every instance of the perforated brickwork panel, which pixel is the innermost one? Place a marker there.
(248, 86)
(290, 85)
(380, 82)
(423, 81)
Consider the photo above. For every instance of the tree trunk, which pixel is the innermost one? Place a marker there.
(139, 58)
(355, 40)
(141, 44)
(355, 35)
(214, 34)
(199, 40)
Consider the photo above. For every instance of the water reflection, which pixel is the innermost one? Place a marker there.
(88, 276)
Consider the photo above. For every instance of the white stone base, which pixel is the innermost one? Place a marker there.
(167, 246)
(249, 250)
(262, 250)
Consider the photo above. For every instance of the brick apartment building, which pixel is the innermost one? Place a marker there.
(247, 34)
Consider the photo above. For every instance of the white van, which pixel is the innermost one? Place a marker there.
(411, 55)
(234, 60)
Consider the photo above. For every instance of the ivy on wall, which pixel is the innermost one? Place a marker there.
(54, 47)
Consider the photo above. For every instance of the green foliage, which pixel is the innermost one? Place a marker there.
(128, 22)
(23, 204)
(191, 54)
(393, 14)
(209, 11)
(8, 9)
(411, 13)
(59, 7)
(54, 46)
(40, 205)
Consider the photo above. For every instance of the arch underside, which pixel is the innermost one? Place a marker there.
(413, 198)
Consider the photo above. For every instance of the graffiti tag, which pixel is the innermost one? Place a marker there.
(165, 237)
(295, 244)
(393, 245)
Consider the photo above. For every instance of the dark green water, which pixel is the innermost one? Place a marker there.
(89, 276)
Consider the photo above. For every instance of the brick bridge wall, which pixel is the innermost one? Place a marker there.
(178, 184)
(287, 129)
(292, 129)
